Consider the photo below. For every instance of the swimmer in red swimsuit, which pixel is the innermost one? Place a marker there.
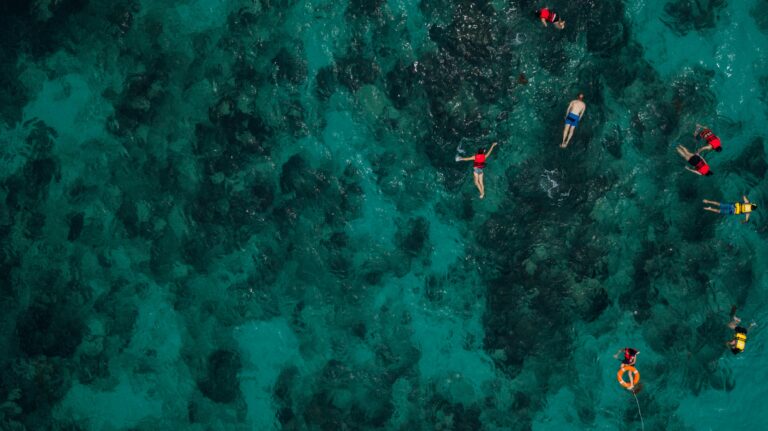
(477, 166)
(547, 15)
(705, 133)
(700, 166)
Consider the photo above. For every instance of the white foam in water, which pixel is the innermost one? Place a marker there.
(548, 183)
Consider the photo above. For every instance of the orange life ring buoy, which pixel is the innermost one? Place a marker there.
(633, 371)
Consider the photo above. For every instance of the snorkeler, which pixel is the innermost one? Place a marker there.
(705, 133)
(629, 356)
(546, 15)
(477, 168)
(574, 113)
(736, 208)
(700, 166)
(739, 341)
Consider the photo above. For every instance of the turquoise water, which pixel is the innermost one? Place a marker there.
(247, 215)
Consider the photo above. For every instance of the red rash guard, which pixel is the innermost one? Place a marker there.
(702, 167)
(546, 15)
(480, 161)
(711, 139)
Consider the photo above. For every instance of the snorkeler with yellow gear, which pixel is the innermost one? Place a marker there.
(739, 341)
(735, 208)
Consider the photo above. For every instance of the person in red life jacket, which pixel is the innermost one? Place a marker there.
(700, 166)
(479, 160)
(628, 356)
(547, 15)
(705, 133)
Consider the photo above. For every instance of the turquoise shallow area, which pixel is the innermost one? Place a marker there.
(246, 215)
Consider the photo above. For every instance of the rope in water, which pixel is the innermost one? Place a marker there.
(642, 423)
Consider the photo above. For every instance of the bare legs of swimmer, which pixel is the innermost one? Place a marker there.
(684, 153)
(479, 184)
(716, 209)
(567, 135)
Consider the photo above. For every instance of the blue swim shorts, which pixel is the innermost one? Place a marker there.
(727, 208)
(572, 119)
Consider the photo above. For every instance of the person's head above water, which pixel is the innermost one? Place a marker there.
(581, 96)
(481, 151)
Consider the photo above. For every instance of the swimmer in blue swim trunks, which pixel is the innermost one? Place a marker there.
(574, 113)
(738, 208)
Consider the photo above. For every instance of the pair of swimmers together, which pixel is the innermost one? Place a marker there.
(577, 106)
(628, 355)
(737, 344)
(713, 143)
(573, 114)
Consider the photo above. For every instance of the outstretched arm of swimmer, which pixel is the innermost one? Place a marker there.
(488, 154)
(746, 218)
(466, 159)
(693, 170)
(746, 201)
(568, 110)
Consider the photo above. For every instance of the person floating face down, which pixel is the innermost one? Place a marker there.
(712, 141)
(572, 117)
(700, 166)
(736, 208)
(477, 167)
(547, 15)
(739, 341)
(628, 356)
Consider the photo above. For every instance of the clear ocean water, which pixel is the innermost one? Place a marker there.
(246, 215)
